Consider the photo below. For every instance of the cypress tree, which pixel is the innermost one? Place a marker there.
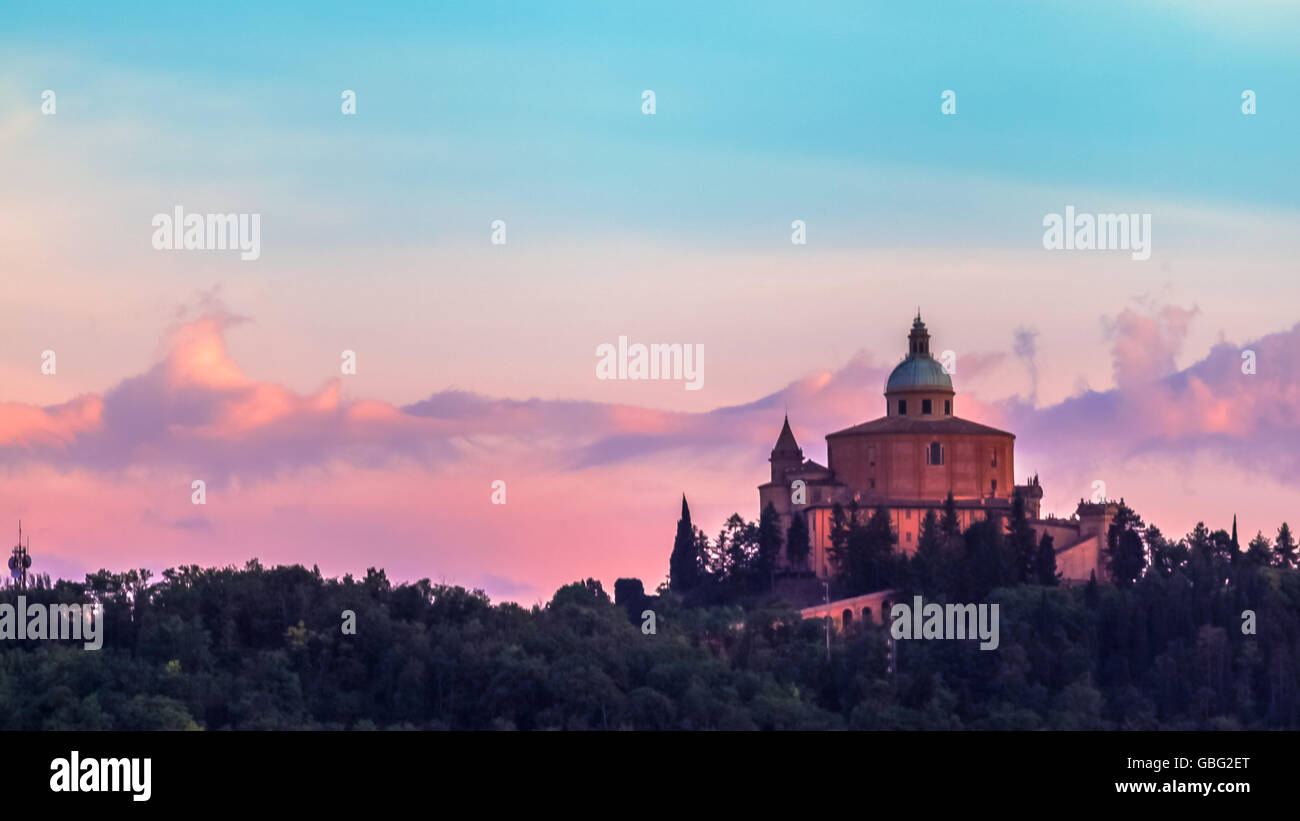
(769, 544)
(1045, 562)
(797, 546)
(1284, 553)
(927, 561)
(1023, 545)
(949, 524)
(684, 564)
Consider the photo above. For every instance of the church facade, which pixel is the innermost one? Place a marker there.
(908, 461)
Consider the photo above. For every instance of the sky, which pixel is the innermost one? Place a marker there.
(476, 361)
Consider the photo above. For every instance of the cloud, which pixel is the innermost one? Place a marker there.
(347, 483)
(195, 409)
(1025, 347)
(1145, 345)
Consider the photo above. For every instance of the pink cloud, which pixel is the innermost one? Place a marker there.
(593, 488)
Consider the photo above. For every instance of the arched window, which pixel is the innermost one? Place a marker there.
(866, 615)
(847, 617)
(934, 454)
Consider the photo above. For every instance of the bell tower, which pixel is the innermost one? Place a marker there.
(918, 341)
(786, 455)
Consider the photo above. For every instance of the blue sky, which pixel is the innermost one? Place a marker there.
(536, 105)
(531, 112)
(667, 228)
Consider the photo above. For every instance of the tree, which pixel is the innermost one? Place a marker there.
(740, 552)
(1284, 547)
(949, 525)
(987, 562)
(1045, 561)
(928, 561)
(684, 564)
(1125, 553)
(715, 557)
(1023, 545)
(840, 527)
(1091, 591)
(769, 545)
(1222, 550)
(879, 541)
(864, 555)
(1208, 557)
(1258, 551)
(797, 546)
(1167, 557)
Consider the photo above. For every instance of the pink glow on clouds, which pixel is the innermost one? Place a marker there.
(593, 489)
(27, 423)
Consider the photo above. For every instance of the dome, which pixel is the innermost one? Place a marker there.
(919, 372)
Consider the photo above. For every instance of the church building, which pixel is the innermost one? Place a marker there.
(909, 460)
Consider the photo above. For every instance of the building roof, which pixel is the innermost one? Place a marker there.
(810, 472)
(808, 468)
(785, 442)
(919, 372)
(913, 424)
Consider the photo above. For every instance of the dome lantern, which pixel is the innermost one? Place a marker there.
(919, 385)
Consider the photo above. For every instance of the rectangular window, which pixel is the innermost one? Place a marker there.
(995, 487)
(909, 514)
(873, 484)
(902, 407)
(947, 407)
(925, 407)
(995, 457)
(871, 455)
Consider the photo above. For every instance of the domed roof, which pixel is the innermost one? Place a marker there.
(919, 372)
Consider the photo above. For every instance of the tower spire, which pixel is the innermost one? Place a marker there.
(918, 340)
(786, 454)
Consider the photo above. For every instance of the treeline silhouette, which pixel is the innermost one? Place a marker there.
(1166, 647)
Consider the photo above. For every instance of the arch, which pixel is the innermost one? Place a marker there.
(934, 454)
(846, 618)
(866, 615)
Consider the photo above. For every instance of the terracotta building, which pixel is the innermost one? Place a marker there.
(909, 460)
